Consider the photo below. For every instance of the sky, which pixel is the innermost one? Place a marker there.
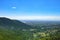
(30, 9)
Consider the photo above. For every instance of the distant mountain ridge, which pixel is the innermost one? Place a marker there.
(13, 24)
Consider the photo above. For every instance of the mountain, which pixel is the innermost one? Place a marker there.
(13, 24)
(13, 29)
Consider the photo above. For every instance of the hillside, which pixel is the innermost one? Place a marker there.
(12, 29)
(13, 24)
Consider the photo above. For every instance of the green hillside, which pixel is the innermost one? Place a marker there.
(13, 24)
(12, 30)
(13, 35)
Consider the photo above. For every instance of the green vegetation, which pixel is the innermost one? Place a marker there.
(13, 35)
(16, 30)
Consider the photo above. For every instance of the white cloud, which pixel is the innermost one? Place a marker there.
(13, 7)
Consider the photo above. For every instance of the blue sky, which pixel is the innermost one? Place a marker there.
(30, 8)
